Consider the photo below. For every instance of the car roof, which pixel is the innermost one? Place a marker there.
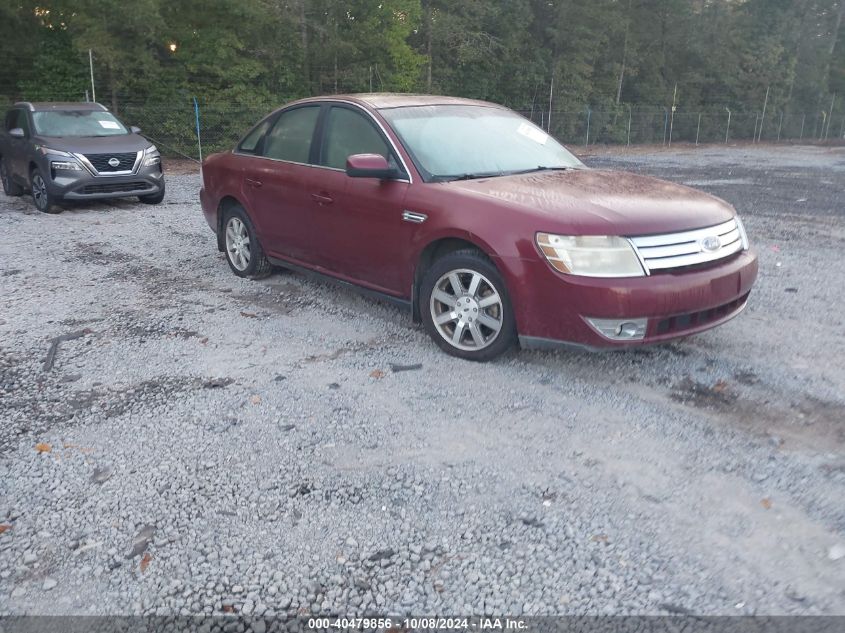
(387, 100)
(43, 106)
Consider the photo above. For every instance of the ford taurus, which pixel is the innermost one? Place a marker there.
(478, 222)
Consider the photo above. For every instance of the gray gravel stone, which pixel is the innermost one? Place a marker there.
(584, 484)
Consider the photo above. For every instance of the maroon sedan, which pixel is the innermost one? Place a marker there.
(483, 226)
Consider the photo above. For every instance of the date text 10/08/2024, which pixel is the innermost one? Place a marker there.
(427, 623)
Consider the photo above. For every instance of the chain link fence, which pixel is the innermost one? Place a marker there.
(173, 126)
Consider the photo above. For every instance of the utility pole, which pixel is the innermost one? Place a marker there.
(830, 116)
(672, 116)
(728, 129)
(763, 117)
(698, 129)
(551, 97)
(589, 116)
(91, 68)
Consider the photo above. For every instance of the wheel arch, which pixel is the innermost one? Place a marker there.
(433, 251)
(226, 202)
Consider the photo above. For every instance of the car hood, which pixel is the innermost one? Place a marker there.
(95, 144)
(599, 202)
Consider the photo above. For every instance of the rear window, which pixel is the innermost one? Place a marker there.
(290, 138)
(77, 123)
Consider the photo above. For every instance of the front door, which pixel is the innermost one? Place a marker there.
(18, 159)
(363, 237)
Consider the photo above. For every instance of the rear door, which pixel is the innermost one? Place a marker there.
(277, 183)
(362, 235)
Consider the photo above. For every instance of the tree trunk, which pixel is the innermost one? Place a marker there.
(837, 24)
(303, 32)
(113, 89)
(624, 56)
(334, 45)
(428, 38)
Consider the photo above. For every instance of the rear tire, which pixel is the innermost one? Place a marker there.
(10, 187)
(154, 198)
(465, 307)
(40, 196)
(243, 251)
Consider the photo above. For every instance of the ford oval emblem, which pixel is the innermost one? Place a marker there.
(114, 162)
(710, 244)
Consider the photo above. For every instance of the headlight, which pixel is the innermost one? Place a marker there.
(742, 236)
(66, 164)
(151, 156)
(55, 152)
(591, 255)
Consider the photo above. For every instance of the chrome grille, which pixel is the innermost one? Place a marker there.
(689, 248)
(125, 161)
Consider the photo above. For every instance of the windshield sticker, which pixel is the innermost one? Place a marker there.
(533, 133)
(110, 125)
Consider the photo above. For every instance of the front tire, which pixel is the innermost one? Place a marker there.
(40, 196)
(10, 187)
(153, 198)
(243, 251)
(465, 307)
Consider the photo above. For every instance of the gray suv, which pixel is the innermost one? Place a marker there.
(76, 151)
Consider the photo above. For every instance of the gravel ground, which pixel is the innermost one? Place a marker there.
(205, 444)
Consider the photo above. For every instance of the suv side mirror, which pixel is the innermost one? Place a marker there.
(16, 132)
(135, 129)
(370, 166)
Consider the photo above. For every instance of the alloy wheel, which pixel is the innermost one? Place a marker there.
(39, 191)
(466, 309)
(237, 243)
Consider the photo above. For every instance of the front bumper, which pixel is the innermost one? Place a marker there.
(552, 309)
(81, 185)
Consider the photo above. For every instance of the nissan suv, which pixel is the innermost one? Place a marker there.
(76, 151)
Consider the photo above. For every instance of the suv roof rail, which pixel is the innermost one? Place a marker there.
(61, 105)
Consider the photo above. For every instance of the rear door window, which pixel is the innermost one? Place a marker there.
(250, 144)
(291, 136)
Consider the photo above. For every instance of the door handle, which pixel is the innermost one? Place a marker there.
(252, 182)
(322, 198)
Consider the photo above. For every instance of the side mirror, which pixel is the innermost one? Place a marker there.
(135, 129)
(370, 166)
(16, 132)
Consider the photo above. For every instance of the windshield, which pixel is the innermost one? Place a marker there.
(79, 123)
(449, 142)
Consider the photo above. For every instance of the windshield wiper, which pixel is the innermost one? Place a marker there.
(539, 168)
(469, 176)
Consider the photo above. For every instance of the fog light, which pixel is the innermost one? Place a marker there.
(619, 329)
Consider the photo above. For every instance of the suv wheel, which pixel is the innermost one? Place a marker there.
(243, 251)
(10, 187)
(465, 307)
(153, 198)
(40, 196)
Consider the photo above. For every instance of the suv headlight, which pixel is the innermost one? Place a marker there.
(54, 152)
(590, 255)
(69, 165)
(151, 156)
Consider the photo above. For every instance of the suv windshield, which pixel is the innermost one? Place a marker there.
(451, 142)
(77, 123)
